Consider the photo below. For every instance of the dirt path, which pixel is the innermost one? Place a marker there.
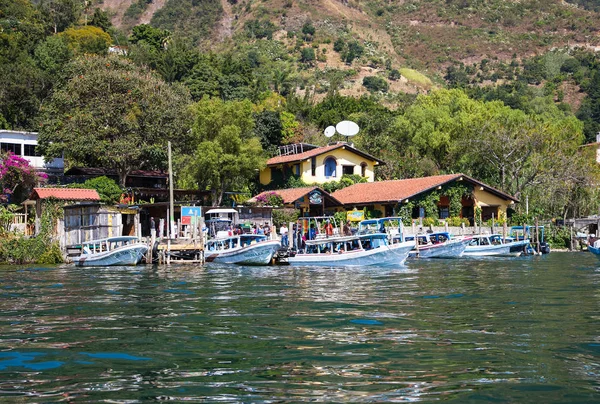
(152, 8)
(225, 29)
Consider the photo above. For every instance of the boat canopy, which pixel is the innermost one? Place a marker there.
(221, 210)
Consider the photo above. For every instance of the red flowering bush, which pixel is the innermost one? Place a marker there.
(15, 171)
(269, 199)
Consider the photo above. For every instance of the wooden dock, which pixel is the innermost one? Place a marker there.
(180, 251)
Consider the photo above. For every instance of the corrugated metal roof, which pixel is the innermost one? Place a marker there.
(66, 194)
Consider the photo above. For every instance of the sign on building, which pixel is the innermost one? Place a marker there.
(355, 215)
(189, 214)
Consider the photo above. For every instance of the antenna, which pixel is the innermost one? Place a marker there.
(329, 131)
(347, 128)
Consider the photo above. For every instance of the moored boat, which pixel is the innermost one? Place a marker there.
(241, 249)
(124, 250)
(359, 250)
(594, 248)
(494, 245)
(438, 245)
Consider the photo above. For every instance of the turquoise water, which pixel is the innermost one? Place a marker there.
(521, 330)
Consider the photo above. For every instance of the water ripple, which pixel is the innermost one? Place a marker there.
(510, 330)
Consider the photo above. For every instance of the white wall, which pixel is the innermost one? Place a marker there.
(30, 138)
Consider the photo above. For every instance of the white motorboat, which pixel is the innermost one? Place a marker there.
(241, 249)
(494, 245)
(124, 250)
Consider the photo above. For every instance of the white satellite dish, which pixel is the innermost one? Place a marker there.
(329, 131)
(347, 128)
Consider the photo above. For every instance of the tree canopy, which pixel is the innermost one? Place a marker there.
(113, 114)
(227, 153)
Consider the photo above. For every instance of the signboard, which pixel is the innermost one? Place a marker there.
(315, 198)
(189, 212)
(355, 215)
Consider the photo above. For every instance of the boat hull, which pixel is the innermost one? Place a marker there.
(255, 254)
(126, 255)
(451, 249)
(394, 254)
(594, 250)
(513, 249)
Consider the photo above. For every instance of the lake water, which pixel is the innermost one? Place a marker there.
(520, 330)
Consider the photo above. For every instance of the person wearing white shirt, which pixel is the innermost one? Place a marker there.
(283, 230)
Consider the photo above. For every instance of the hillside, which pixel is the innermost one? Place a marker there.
(427, 35)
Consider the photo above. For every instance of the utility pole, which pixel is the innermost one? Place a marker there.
(171, 210)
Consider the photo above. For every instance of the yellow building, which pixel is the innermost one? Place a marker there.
(317, 165)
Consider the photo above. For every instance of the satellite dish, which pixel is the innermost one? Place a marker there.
(347, 128)
(329, 131)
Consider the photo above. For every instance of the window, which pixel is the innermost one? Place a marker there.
(31, 150)
(418, 212)
(363, 169)
(313, 166)
(298, 170)
(444, 212)
(347, 170)
(330, 166)
(11, 147)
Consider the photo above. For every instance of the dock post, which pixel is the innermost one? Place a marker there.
(168, 254)
(537, 236)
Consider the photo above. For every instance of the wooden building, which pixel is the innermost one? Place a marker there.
(92, 221)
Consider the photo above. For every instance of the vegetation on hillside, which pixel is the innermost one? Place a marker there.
(515, 116)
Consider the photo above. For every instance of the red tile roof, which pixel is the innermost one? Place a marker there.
(291, 195)
(66, 194)
(290, 158)
(398, 190)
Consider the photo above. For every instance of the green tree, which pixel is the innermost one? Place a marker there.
(354, 51)
(145, 33)
(228, 155)
(307, 55)
(61, 14)
(269, 129)
(107, 188)
(100, 19)
(308, 29)
(87, 39)
(52, 55)
(113, 114)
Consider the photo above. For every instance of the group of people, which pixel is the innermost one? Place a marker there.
(310, 234)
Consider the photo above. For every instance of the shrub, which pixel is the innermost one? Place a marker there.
(431, 221)
(107, 188)
(286, 215)
(269, 199)
(456, 221)
(339, 45)
(394, 75)
(308, 30)
(307, 55)
(375, 83)
(259, 29)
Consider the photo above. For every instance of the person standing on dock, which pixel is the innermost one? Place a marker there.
(328, 228)
(283, 230)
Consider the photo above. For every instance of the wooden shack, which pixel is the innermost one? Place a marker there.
(92, 221)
